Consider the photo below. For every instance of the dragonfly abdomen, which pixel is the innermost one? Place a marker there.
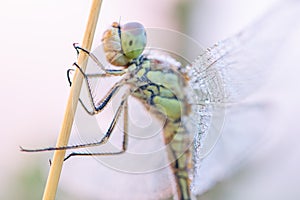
(178, 143)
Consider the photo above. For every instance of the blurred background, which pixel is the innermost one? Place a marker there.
(36, 50)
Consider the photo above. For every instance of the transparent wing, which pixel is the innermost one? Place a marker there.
(234, 68)
(227, 74)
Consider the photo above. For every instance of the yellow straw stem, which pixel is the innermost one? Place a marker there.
(63, 138)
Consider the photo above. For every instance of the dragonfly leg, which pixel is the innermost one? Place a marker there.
(108, 73)
(106, 99)
(122, 105)
(107, 135)
(75, 45)
(92, 56)
(68, 76)
(112, 72)
(94, 75)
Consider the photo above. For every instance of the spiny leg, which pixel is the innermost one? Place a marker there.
(94, 58)
(100, 142)
(111, 72)
(106, 99)
(107, 72)
(96, 109)
(124, 143)
(94, 75)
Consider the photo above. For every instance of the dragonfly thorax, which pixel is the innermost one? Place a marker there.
(158, 85)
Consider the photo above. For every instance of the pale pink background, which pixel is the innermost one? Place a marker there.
(36, 49)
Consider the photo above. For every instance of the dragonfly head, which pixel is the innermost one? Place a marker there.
(124, 43)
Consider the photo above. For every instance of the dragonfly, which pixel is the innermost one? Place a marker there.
(190, 98)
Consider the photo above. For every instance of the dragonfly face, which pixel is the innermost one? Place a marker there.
(124, 43)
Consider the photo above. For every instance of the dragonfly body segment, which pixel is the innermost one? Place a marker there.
(159, 86)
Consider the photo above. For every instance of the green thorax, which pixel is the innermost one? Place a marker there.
(159, 85)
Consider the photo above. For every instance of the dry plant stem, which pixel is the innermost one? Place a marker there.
(63, 138)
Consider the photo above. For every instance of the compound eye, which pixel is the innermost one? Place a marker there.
(133, 39)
